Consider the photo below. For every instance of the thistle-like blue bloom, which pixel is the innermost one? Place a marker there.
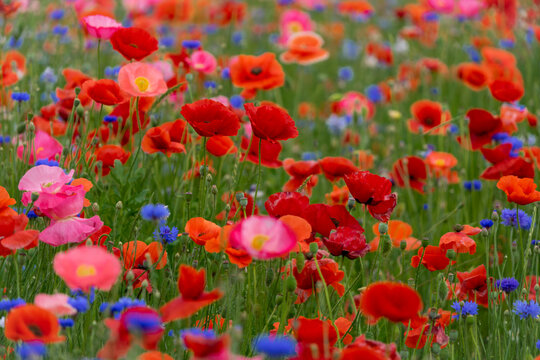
(121, 305)
(508, 217)
(337, 124)
(507, 284)
(20, 96)
(374, 93)
(166, 234)
(60, 30)
(526, 310)
(7, 304)
(50, 163)
(79, 303)
(155, 212)
(209, 84)
(477, 185)
(66, 323)
(538, 344)
(236, 101)
(275, 346)
(143, 322)
(31, 350)
(167, 41)
(226, 73)
(57, 14)
(474, 55)
(486, 223)
(110, 118)
(237, 37)
(468, 308)
(346, 73)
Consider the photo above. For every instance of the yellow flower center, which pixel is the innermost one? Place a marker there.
(295, 26)
(86, 270)
(440, 163)
(258, 241)
(142, 83)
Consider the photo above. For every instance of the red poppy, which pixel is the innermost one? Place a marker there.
(220, 145)
(236, 208)
(270, 122)
(286, 203)
(475, 76)
(324, 218)
(133, 43)
(227, 12)
(205, 347)
(309, 276)
(377, 348)
(428, 115)
(299, 172)
(506, 90)
(530, 282)
(459, 240)
(433, 258)
(346, 241)
(13, 67)
(519, 191)
(482, 126)
(505, 164)
(269, 151)
(473, 286)
(191, 285)
(107, 154)
(394, 301)
(136, 114)
(316, 333)
(335, 168)
(32, 323)
(420, 331)
(105, 91)
(209, 118)
(410, 171)
(14, 236)
(135, 254)
(254, 73)
(99, 237)
(201, 230)
(165, 138)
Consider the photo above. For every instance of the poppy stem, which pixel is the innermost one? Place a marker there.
(258, 178)
(17, 274)
(98, 58)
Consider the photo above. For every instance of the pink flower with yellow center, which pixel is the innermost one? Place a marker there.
(263, 237)
(100, 26)
(203, 61)
(293, 21)
(140, 79)
(85, 267)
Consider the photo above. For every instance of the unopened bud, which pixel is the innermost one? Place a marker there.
(243, 202)
(403, 245)
(214, 190)
(383, 228)
(95, 207)
(313, 248)
(451, 254)
(208, 179)
(300, 261)
(458, 227)
(290, 284)
(119, 205)
(494, 216)
(188, 196)
(425, 242)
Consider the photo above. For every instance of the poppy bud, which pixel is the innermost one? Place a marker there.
(130, 276)
(314, 351)
(386, 244)
(243, 202)
(21, 128)
(95, 207)
(34, 196)
(494, 216)
(484, 232)
(453, 335)
(188, 196)
(239, 196)
(425, 242)
(458, 227)
(80, 110)
(436, 348)
(202, 170)
(524, 292)
(403, 245)
(119, 205)
(404, 354)
(208, 179)
(214, 190)
(313, 248)
(383, 228)
(279, 299)
(29, 116)
(300, 261)
(290, 284)
(451, 254)
(88, 242)
(350, 203)
(537, 288)
(451, 277)
(77, 90)
(470, 320)
(144, 284)
(156, 294)
(31, 128)
(189, 77)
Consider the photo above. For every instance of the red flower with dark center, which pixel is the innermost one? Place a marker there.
(386, 351)
(32, 323)
(254, 73)
(324, 218)
(191, 285)
(209, 118)
(220, 145)
(134, 43)
(482, 126)
(460, 241)
(428, 115)
(473, 286)
(346, 241)
(269, 152)
(475, 76)
(335, 168)
(394, 301)
(309, 276)
(270, 122)
(368, 188)
(286, 203)
(433, 258)
(504, 164)
(105, 91)
(410, 171)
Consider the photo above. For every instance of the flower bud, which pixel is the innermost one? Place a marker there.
(451, 254)
(243, 202)
(453, 335)
(300, 261)
(425, 242)
(313, 248)
(290, 284)
(214, 190)
(351, 203)
(403, 245)
(188, 195)
(458, 227)
(494, 216)
(383, 228)
(119, 205)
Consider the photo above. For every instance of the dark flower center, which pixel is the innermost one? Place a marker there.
(36, 330)
(256, 71)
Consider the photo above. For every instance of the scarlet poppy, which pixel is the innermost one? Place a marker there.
(361, 352)
(13, 67)
(165, 138)
(335, 168)
(482, 126)
(506, 90)
(270, 122)
(394, 301)
(220, 146)
(419, 331)
(428, 115)
(505, 164)
(286, 203)
(133, 43)
(309, 276)
(346, 241)
(410, 171)
(32, 323)
(304, 48)
(14, 236)
(300, 171)
(323, 218)
(269, 154)
(317, 333)
(519, 191)
(154, 355)
(105, 91)
(474, 75)
(473, 286)
(209, 118)
(254, 73)
(191, 285)
(338, 196)
(432, 257)
(201, 230)
(398, 231)
(387, 351)
(107, 154)
(459, 240)
(135, 254)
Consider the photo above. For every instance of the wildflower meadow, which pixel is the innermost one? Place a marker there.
(269, 179)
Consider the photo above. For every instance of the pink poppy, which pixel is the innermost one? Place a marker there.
(263, 237)
(57, 304)
(165, 68)
(85, 267)
(442, 6)
(44, 146)
(41, 177)
(293, 21)
(202, 61)
(100, 26)
(470, 8)
(62, 207)
(140, 79)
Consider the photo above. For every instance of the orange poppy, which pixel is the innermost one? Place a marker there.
(135, 253)
(440, 165)
(201, 230)
(532, 155)
(519, 191)
(154, 355)
(398, 231)
(301, 228)
(304, 48)
(13, 67)
(107, 154)
(474, 75)
(338, 196)
(5, 202)
(32, 323)
(428, 115)
(166, 138)
(254, 73)
(459, 240)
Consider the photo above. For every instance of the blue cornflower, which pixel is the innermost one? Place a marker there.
(66, 323)
(155, 212)
(210, 29)
(346, 73)
(57, 14)
(486, 223)
(191, 44)
(538, 344)
(350, 49)
(374, 93)
(15, 43)
(165, 234)
(143, 322)
(167, 41)
(20, 96)
(535, 242)
(431, 16)
(47, 162)
(508, 217)
(31, 214)
(275, 346)
(477, 185)
(226, 73)
(209, 84)
(207, 334)
(525, 310)
(467, 185)
(79, 303)
(453, 129)
(529, 36)
(60, 30)
(506, 43)
(31, 350)
(237, 37)
(474, 55)
(121, 305)
(7, 304)
(309, 155)
(112, 72)
(110, 118)
(337, 124)
(48, 76)
(236, 101)
(468, 308)
(507, 284)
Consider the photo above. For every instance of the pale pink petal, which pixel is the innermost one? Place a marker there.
(71, 230)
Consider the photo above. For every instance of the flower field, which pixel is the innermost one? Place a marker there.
(269, 179)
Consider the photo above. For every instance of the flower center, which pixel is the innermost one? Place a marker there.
(258, 241)
(295, 26)
(439, 162)
(36, 330)
(142, 83)
(256, 71)
(86, 270)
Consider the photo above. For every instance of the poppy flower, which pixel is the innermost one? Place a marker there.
(57, 304)
(338, 196)
(506, 90)
(307, 279)
(440, 165)
(475, 76)
(410, 171)
(13, 234)
(154, 355)
(505, 164)
(6, 201)
(44, 147)
(519, 191)
(270, 151)
(482, 126)
(346, 241)
(136, 253)
(387, 351)
(107, 154)
(299, 172)
(304, 48)
(532, 155)
(419, 331)
(262, 237)
(286, 203)
(105, 91)
(133, 43)
(394, 301)
(254, 73)
(100, 26)
(83, 268)
(270, 122)
(433, 258)
(459, 240)
(201, 230)
(398, 231)
(32, 323)
(140, 79)
(13, 67)
(324, 218)
(205, 344)
(220, 145)
(361, 352)
(335, 168)
(428, 115)
(473, 286)
(202, 61)
(192, 297)
(166, 138)
(314, 332)
(209, 118)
